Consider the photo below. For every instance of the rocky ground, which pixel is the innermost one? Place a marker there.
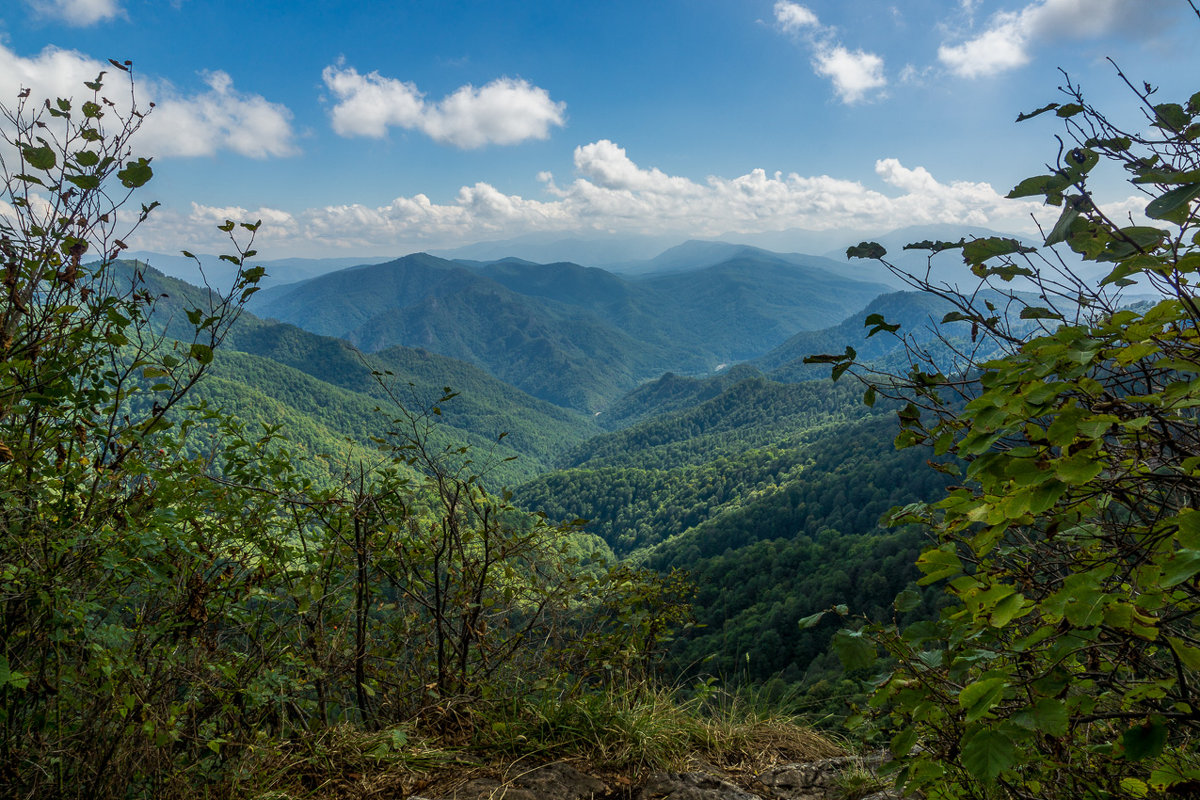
(848, 778)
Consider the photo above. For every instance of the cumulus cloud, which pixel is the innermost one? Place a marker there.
(610, 192)
(1010, 36)
(504, 111)
(855, 74)
(220, 118)
(77, 12)
(793, 17)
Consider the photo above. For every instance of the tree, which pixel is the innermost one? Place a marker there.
(179, 600)
(1067, 661)
(106, 548)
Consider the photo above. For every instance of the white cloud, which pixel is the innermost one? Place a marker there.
(77, 12)
(220, 118)
(793, 16)
(1010, 36)
(611, 193)
(504, 111)
(1002, 47)
(854, 74)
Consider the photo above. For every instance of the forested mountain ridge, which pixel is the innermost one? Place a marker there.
(332, 390)
(576, 336)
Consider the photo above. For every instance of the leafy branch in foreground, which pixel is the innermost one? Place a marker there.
(109, 563)
(1067, 662)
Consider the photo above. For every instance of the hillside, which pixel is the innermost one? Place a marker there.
(329, 388)
(768, 495)
(575, 336)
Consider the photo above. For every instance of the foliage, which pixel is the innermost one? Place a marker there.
(179, 593)
(1067, 661)
(104, 555)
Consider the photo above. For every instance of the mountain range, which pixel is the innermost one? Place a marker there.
(669, 406)
(576, 336)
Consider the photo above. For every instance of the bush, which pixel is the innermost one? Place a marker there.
(1068, 660)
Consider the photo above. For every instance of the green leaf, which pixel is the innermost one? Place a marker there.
(1135, 787)
(201, 352)
(1050, 715)
(979, 697)
(1180, 196)
(907, 600)
(136, 174)
(1170, 116)
(854, 649)
(42, 158)
(877, 323)
(1040, 186)
(86, 182)
(866, 250)
(1084, 607)
(1038, 312)
(1189, 655)
(1181, 567)
(1078, 469)
(10, 677)
(1062, 228)
(987, 753)
(1144, 741)
(1143, 237)
(1048, 107)
(980, 250)
(811, 620)
(938, 564)
(1008, 609)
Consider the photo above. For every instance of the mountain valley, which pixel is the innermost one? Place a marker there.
(606, 391)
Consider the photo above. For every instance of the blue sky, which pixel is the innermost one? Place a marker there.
(371, 128)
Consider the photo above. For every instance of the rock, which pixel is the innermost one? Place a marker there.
(690, 786)
(551, 782)
(820, 780)
(829, 779)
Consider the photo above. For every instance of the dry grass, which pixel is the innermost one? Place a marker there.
(620, 737)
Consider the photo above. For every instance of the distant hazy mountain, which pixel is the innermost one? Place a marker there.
(544, 248)
(219, 274)
(573, 335)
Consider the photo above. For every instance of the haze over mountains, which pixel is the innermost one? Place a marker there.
(617, 254)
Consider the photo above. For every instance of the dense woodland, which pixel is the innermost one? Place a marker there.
(500, 503)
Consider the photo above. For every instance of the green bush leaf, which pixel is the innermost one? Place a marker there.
(854, 649)
(978, 698)
(136, 174)
(1144, 741)
(987, 753)
(866, 250)
(980, 250)
(42, 158)
(938, 564)
(201, 353)
(1178, 197)
(1050, 715)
